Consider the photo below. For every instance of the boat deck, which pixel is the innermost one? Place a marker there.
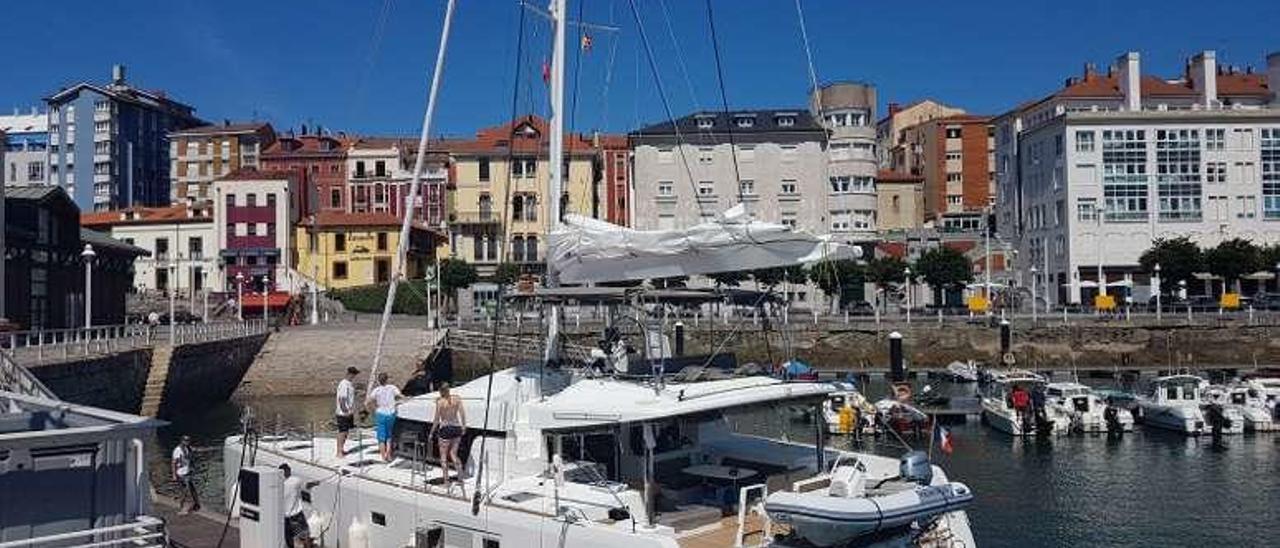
(723, 533)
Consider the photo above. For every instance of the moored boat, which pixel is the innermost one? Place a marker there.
(1173, 403)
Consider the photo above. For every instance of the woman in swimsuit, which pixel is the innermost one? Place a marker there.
(450, 423)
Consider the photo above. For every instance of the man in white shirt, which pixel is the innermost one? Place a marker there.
(181, 468)
(345, 408)
(295, 520)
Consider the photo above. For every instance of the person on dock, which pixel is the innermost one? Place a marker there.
(450, 423)
(296, 530)
(384, 399)
(183, 476)
(419, 383)
(345, 408)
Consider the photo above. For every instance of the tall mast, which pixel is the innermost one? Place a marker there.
(559, 20)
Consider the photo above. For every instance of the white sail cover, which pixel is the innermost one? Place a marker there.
(585, 250)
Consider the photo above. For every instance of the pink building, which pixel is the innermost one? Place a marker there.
(254, 215)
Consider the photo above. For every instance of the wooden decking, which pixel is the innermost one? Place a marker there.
(721, 534)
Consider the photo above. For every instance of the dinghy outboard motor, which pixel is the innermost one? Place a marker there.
(915, 466)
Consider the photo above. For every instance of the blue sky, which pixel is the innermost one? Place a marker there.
(363, 65)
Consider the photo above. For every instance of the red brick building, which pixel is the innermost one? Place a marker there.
(615, 160)
(319, 161)
(954, 154)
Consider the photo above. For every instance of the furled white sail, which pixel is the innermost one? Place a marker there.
(584, 250)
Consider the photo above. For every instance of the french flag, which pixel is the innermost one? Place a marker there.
(944, 440)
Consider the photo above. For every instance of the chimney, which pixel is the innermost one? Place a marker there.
(1204, 77)
(894, 108)
(117, 75)
(1273, 77)
(1130, 80)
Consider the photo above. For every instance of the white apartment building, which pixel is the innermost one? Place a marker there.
(25, 139)
(1093, 173)
(181, 239)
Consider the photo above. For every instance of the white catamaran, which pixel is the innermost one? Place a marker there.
(578, 455)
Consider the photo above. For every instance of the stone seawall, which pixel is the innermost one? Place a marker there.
(1085, 347)
(310, 360)
(112, 381)
(206, 373)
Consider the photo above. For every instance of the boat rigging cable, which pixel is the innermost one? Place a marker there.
(506, 252)
(666, 105)
(724, 103)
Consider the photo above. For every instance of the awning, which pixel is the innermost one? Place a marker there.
(1120, 283)
(275, 299)
(1261, 275)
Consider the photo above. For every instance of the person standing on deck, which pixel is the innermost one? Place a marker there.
(296, 530)
(345, 409)
(450, 422)
(384, 399)
(1021, 401)
(181, 467)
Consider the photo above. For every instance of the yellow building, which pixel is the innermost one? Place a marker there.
(340, 250)
(498, 208)
(899, 201)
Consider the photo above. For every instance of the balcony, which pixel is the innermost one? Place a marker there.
(479, 217)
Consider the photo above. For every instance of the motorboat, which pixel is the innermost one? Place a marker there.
(1173, 403)
(863, 498)
(959, 371)
(860, 415)
(1245, 402)
(902, 418)
(1088, 412)
(998, 409)
(1269, 390)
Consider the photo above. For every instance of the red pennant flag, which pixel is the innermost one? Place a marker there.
(546, 71)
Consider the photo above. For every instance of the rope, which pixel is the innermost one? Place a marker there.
(724, 102)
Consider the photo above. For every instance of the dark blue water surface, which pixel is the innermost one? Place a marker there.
(1147, 488)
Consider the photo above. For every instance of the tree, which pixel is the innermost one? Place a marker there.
(943, 268)
(886, 270)
(506, 274)
(456, 274)
(1232, 259)
(841, 279)
(795, 274)
(1179, 258)
(768, 278)
(729, 279)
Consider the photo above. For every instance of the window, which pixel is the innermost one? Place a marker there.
(953, 133)
(706, 122)
(1215, 139)
(102, 147)
(745, 121)
(747, 153)
(706, 155)
(335, 198)
(340, 242)
(162, 249)
(382, 241)
(253, 229)
(953, 156)
(840, 220)
(1084, 141)
(271, 201)
(863, 219)
(788, 186)
(524, 167)
(483, 166)
(1178, 174)
(360, 174)
(1215, 172)
(1124, 175)
(747, 187)
(665, 155)
(35, 171)
(102, 168)
(706, 188)
(231, 200)
(251, 200)
(785, 120)
(101, 105)
(955, 199)
(789, 219)
(840, 151)
(380, 168)
(339, 270)
(530, 248)
(1247, 207)
(195, 248)
(840, 184)
(102, 126)
(1271, 173)
(953, 177)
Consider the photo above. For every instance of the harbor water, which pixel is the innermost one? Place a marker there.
(1147, 488)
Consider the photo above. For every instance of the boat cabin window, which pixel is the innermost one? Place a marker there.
(1171, 392)
(837, 402)
(1055, 392)
(1238, 398)
(598, 451)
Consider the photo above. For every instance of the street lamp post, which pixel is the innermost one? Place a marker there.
(266, 288)
(1182, 289)
(315, 294)
(1156, 284)
(173, 299)
(907, 273)
(240, 296)
(1033, 294)
(88, 255)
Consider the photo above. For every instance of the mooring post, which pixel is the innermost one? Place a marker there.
(679, 338)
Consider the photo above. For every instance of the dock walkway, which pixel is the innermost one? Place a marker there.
(202, 529)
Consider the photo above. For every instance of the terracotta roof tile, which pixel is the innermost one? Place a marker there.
(216, 129)
(1244, 84)
(250, 174)
(180, 213)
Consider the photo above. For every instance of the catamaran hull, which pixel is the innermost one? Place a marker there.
(824, 520)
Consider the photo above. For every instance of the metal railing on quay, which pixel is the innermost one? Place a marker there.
(145, 531)
(53, 345)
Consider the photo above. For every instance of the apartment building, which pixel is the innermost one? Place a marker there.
(200, 155)
(899, 201)
(254, 217)
(181, 241)
(1090, 174)
(319, 165)
(339, 249)
(379, 174)
(954, 155)
(25, 140)
(890, 136)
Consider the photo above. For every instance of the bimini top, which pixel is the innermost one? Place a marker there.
(1017, 376)
(584, 402)
(1178, 379)
(588, 250)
